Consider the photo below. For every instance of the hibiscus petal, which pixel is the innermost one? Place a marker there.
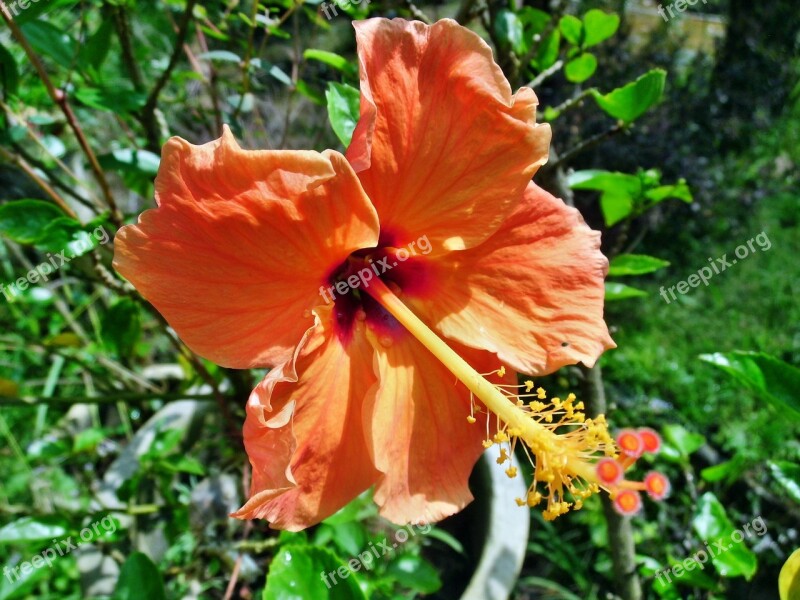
(304, 433)
(532, 293)
(240, 244)
(442, 146)
(418, 433)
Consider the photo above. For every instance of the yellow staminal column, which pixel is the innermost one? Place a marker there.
(564, 461)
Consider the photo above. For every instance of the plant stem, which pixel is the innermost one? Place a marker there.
(620, 532)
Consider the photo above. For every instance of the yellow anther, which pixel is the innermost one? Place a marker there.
(528, 385)
(488, 443)
(534, 498)
(519, 501)
(501, 371)
(500, 437)
(511, 472)
(541, 394)
(503, 456)
(470, 419)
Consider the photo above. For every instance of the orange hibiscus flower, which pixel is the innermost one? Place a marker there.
(345, 276)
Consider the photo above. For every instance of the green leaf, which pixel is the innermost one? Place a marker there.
(137, 167)
(788, 476)
(336, 61)
(619, 291)
(581, 68)
(599, 26)
(88, 439)
(343, 110)
(49, 40)
(116, 100)
(789, 579)
(9, 73)
(620, 190)
(682, 440)
(773, 380)
(416, 573)
(631, 101)
(728, 471)
(510, 31)
(182, 464)
(25, 221)
(572, 29)
(32, 529)
(299, 572)
(279, 74)
(220, 56)
(95, 50)
(534, 20)
(38, 8)
(679, 190)
(713, 526)
(122, 327)
(635, 264)
(547, 53)
(139, 580)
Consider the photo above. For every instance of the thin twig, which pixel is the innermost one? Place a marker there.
(45, 187)
(417, 12)
(585, 145)
(148, 116)
(541, 77)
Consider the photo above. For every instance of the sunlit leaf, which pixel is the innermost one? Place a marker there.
(547, 54)
(572, 29)
(770, 378)
(509, 30)
(310, 572)
(631, 101)
(712, 525)
(599, 26)
(343, 110)
(25, 221)
(635, 264)
(619, 291)
(581, 68)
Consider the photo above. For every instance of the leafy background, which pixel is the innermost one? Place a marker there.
(677, 139)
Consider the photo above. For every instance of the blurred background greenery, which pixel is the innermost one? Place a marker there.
(677, 136)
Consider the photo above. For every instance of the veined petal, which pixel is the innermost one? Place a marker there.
(532, 293)
(304, 433)
(416, 422)
(442, 146)
(235, 253)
